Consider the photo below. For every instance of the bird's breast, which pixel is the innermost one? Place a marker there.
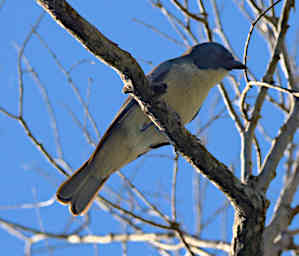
(188, 86)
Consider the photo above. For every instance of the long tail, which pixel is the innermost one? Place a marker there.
(80, 189)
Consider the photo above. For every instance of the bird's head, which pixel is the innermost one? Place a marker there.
(213, 55)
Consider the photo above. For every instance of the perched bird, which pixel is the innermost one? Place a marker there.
(189, 79)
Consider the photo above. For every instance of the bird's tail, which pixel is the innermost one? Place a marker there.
(80, 189)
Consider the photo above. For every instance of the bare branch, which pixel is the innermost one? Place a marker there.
(268, 77)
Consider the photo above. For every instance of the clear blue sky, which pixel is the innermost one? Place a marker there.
(27, 177)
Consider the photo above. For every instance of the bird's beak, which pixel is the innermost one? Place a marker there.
(234, 64)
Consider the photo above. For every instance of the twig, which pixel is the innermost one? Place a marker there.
(153, 28)
(39, 218)
(263, 84)
(182, 238)
(71, 82)
(173, 20)
(81, 126)
(48, 104)
(230, 109)
(186, 11)
(40, 204)
(173, 187)
(143, 198)
(40, 146)
(135, 216)
(207, 28)
(261, 15)
(20, 56)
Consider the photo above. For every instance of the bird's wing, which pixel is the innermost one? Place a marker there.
(156, 75)
(128, 105)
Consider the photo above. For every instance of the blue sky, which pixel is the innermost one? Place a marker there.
(29, 177)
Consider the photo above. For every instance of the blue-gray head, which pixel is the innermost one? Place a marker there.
(204, 56)
(212, 56)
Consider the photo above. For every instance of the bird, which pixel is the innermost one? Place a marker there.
(188, 79)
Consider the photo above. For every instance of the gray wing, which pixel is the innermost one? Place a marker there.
(124, 110)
